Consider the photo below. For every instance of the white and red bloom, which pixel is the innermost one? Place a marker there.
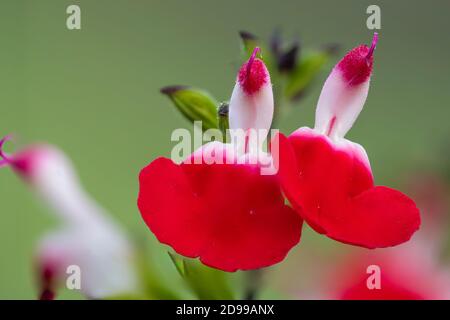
(228, 214)
(328, 178)
(87, 238)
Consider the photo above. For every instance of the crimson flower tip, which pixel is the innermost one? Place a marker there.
(253, 74)
(356, 66)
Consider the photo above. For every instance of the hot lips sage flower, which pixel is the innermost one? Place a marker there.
(87, 239)
(328, 178)
(225, 212)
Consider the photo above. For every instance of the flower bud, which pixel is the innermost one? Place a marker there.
(251, 103)
(345, 91)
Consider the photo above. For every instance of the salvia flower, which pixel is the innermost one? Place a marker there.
(87, 238)
(328, 178)
(224, 212)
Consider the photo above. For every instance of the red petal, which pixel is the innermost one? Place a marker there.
(228, 215)
(382, 217)
(334, 187)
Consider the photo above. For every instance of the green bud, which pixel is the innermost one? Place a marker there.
(194, 104)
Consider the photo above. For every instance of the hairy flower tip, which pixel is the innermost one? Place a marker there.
(357, 64)
(253, 74)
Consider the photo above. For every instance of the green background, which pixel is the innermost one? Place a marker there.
(95, 93)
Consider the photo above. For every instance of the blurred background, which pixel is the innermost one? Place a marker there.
(94, 92)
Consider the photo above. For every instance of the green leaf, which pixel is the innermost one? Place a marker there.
(194, 104)
(205, 282)
(305, 72)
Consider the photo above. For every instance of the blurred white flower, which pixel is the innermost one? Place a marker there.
(87, 237)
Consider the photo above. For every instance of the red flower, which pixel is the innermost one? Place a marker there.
(228, 214)
(328, 179)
